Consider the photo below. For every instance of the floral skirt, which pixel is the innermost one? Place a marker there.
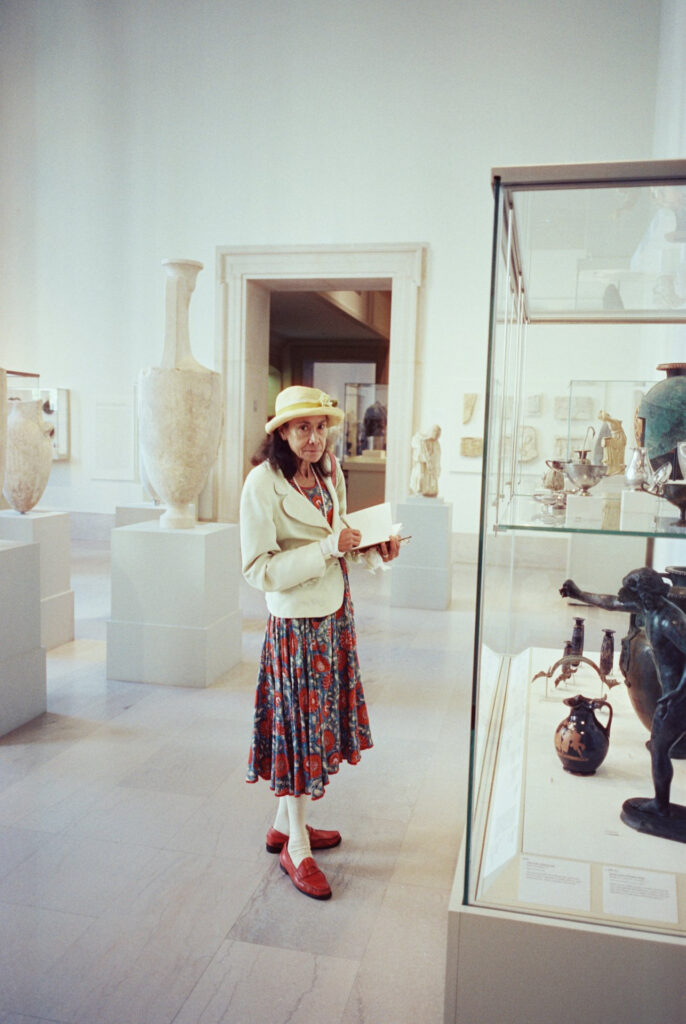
(310, 711)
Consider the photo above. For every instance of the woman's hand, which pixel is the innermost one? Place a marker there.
(348, 539)
(389, 549)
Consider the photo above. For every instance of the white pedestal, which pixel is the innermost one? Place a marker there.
(22, 658)
(621, 974)
(365, 480)
(584, 510)
(638, 510)
(175, 612)
(421, 577)
(51, 531)
(144, 511)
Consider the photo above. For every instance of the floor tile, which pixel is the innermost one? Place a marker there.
(16, 846)
(252, 984)
(402, 972)
(139, 962)
(79, 876)
(32, 940)
(135, 887)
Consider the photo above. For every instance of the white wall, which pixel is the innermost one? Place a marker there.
(138, 131)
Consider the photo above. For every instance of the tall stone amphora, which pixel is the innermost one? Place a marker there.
(29, 454)
(179, 408)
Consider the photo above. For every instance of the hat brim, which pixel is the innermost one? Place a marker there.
(333, 414)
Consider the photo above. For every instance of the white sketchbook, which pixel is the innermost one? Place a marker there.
(374, 523)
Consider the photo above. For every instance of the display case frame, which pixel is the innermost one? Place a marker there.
(588, 260)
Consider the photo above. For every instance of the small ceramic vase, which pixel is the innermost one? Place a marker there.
(581, 741)
(554, 478)
(29, 455)
(577, 644)
(607, 652)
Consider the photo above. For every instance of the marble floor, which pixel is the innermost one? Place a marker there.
(134, 883)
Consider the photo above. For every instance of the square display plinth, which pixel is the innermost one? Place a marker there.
(421, 577)
(127, 515)
(584, 510)
(639, 510)
(22, 658)
(51, 531)
(175, 613)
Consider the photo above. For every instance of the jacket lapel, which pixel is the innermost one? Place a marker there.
(297, 506)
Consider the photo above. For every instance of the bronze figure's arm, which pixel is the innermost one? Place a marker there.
(610, 602)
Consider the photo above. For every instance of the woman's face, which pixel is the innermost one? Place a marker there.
(306, 437)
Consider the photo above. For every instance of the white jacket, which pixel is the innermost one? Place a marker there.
(280, 534)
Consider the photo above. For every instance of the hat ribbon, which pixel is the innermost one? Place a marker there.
(325, 402)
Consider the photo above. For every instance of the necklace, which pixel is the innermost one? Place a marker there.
(319, 488)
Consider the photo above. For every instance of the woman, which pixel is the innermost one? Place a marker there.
(310, 711)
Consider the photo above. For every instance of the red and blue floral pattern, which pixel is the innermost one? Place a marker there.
(310, 710)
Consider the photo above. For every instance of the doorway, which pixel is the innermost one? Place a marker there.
(246, 277)
(339, 342)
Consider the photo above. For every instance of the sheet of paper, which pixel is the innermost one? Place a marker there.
(649, 895)
(374, 523)
(556, 883)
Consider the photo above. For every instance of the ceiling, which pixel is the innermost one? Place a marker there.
(306, 316)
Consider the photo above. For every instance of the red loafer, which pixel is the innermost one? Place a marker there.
(320, 839)
(306, 877)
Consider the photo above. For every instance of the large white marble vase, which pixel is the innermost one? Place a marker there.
(179, 408)
(29, 454)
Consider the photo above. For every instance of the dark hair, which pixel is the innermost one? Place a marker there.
(279, 454)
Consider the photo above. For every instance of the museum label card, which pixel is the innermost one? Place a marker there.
(649, 895)
(506, 799)
(556, 883)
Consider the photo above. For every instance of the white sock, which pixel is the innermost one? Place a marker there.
(281, 819)
(299, 840)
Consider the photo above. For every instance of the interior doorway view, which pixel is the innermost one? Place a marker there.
(339, 342)
(253, 284)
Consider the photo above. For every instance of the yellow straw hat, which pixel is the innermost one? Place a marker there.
(297, 401)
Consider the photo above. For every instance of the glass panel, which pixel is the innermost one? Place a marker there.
(366, 413)
(608, 253)
(584, 278)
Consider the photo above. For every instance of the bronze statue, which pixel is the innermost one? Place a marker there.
(645, 591)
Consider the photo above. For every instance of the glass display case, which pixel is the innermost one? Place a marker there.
(366, 413)
(364, 442)
(587, 322)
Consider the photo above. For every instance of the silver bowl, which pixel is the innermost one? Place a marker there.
(584, 475)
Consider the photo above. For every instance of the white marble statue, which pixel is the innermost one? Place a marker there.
(426, 462)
